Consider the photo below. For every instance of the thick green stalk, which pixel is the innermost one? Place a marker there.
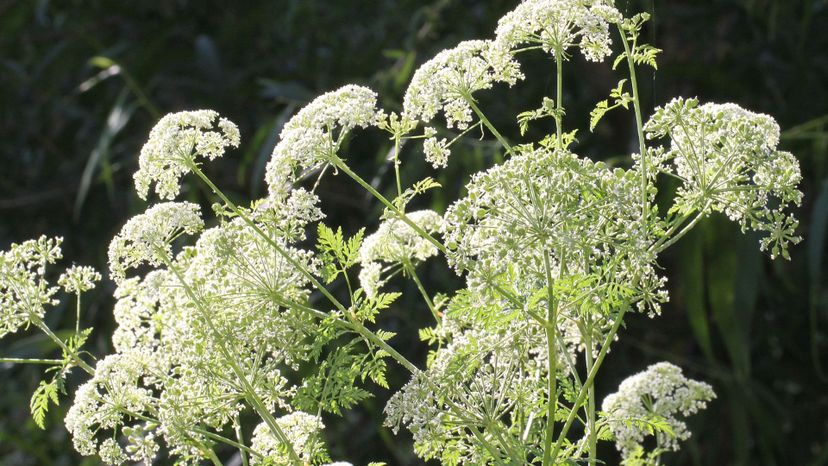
(588, 382)
(552, 356)
(593, 438)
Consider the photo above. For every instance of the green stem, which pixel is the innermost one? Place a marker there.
(240, 438)
(661, 246)
(589, 381)
(593, 438)
(410, 269)
(73, 354)
(642, 147)
(30, 361)
(77, 314)
(552, 356)
(340, 164)
(213, 457)
(559, 96)
(397, 164)
(487, 123)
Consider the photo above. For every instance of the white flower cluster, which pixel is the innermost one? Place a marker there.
(312, 136)
(102, 405)
(79, 279)
(303, 430)
(728, 161)
(24, 289)
(658, 395)
(494, 361)
(585, 216)
(395, 242)
(436, 151)
(147, 238)
(173, 145)
(447, 81)
(559, 25)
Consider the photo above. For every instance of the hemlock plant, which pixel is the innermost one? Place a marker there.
(555, 250)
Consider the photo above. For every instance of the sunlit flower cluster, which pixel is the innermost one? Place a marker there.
(395, 242)
(558, 25)
(173, 145)
(312, 136)
(79, 279)
(147, 238)
(447, 81)
(303, 430)
(585, 217)
(494, 361)
(728, 161)
(24, 289)
(658, 395)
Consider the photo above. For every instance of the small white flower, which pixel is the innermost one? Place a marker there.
(728, 162)
(79, 279)
(395, 241)
(303, 431)
(436, 152)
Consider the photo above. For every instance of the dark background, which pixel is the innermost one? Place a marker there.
(82, 82)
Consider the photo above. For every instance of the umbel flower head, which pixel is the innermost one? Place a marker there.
(445, 82)
(559, 25)
(147, 238)
(727, 160)
(173, 145)
(585, 216)
(79, 279)
(658, 395)
(396, 242)
(24, 290)
(313, 135)
(303, 430)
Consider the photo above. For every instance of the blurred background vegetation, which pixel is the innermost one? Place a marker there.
(83, 81)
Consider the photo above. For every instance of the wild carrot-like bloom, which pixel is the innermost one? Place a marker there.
(659, 394)
(79, 279)
(147, 238)
(445, 82)
(542, 202)
(303, 430)
(314, 134)
(560, 25)
(173, 145)
(24, 289)
(100, 403)
(396, 242)
(728, 161)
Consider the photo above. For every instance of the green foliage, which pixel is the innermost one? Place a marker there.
(46, 393)
(337, 254)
